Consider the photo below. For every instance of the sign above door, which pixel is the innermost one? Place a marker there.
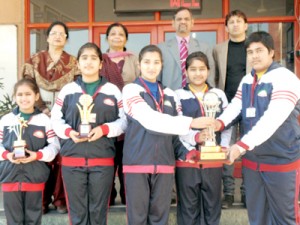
(122, 6)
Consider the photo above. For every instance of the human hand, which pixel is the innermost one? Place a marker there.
(95, 134)
(202, 136)
(203, 122)
(234, 152)
(47, 112)
(10, 157)
(75, 136)
(192, 156)
(30, 158)
(217, 125)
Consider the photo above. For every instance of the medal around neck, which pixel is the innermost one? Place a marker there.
(210, 150)
(19, 145)
(85, 109)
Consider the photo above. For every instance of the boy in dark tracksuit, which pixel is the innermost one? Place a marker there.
(23, 183)
(268, 102)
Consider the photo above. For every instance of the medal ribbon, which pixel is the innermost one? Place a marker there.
(160, 103)
(199, 100)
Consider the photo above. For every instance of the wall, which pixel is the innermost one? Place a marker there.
(12, 12)
(12, 41)
(8, 58)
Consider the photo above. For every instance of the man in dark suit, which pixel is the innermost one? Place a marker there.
(231, 66)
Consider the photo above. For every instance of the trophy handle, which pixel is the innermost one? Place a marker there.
(89, 110)
(80, 110)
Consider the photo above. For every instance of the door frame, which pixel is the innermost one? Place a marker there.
(152, 29)
(157, 32)
(218, 28)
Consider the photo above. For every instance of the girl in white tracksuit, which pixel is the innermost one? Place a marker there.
(23, 179)
(150, 141)
(88, 162)
(199, 185)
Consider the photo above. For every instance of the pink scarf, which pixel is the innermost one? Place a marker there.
(118, 54)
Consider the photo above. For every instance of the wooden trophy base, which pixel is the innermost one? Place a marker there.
(84, 130)
(210, 149)
(19, 149)
(212, 153)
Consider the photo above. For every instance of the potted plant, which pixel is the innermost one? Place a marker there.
(6, 103)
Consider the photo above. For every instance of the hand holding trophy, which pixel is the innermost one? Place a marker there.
(85, 109)
(210, 150)
(20, 144)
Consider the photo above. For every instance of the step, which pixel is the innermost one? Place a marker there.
(117, 216)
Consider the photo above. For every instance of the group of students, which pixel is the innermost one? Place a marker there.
(163, 130)
(153, 116)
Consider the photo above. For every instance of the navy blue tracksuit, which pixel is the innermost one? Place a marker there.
(88, 167)
(148, 156)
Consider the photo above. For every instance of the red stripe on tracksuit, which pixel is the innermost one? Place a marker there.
(26, 198)
(270, 167)
(198, 166)
(70, 161)
(59, 102)
(279, 168)
(19, 186)
(153, 169)
(296, 204)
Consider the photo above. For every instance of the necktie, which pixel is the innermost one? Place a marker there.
(183, 56)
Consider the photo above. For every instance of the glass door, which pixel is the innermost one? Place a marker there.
(138, 37)
(208, 33)
(141, 35)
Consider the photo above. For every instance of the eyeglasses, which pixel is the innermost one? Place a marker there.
(61, 34)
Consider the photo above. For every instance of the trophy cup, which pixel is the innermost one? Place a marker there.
(19, 145)
(210, 150)
(85, 101)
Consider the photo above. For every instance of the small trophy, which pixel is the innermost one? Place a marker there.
(210, 150)
(85, 101)
(19, 145)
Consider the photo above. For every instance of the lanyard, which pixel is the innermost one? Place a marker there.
(199, 100)
(159, 105)
(253, 86)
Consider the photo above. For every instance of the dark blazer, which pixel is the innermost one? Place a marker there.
(220, 52)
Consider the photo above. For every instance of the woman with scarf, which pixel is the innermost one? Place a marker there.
(52, 69)
(120, 67)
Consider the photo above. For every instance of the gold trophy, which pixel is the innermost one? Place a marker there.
(85, 101)
(20, 144)
(210, 150)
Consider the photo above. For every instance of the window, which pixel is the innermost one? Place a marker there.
(47, 11)
(283, 40)
(263, 8)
